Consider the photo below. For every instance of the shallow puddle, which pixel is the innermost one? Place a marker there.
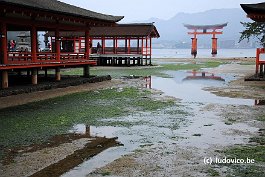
(189, 88)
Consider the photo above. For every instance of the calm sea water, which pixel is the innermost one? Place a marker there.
(203, 53)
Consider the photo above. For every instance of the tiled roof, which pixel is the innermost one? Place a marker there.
(132, 30)
(62, 8)
(120, 30)
(255, 11)
(254, 8)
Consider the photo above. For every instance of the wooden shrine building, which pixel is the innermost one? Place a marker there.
(39, 16)
(256, 12)
(123, 44)
(204, 30)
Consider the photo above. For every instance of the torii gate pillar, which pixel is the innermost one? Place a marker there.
(214, 46)
(194, 46)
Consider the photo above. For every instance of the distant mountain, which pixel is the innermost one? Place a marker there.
(173, 29)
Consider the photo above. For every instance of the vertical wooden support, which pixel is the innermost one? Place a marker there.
(34, 44)
(58, 45)
(114, 46)
(103, 45)
(87, 44)
(4, 58)
(86, 71)
(4, 79)
(142, 47)
(129, 45)
(34, 77)
(88, 130)
(46, 72)
(146, 46)
(260, 70)
(257, 61)
(58, 74)
(214, 46)
(138, 45)
(150, 63)
(194, 47)
(126, 48)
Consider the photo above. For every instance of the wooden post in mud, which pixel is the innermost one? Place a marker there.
(88, 130)
(34, 77)
(58, 74)
(4, 79)
(86, 71)
(46, 72)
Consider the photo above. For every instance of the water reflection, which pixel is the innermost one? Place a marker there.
(184, 86)
(81, 129)
(148, 82)
(202, 75)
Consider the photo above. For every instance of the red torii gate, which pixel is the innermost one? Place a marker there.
(204, 30)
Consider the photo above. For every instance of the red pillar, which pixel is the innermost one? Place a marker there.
(194, 47)
(116, 45)
(103, 45)
(138, 45)
(129, 45)
(142, 45)
(214, 46)
(146, 45)
(257, 61)
(4, 43)
(113, 44)
(58, 45)
(34, 44)
(87, 44)
(150, 51)
(126, 44)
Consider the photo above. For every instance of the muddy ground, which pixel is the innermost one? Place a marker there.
(211, 129)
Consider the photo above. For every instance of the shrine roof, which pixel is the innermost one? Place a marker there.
(58, 7)
(255, 11)
(119, 30)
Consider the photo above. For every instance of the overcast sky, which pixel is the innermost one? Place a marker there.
(137, 10)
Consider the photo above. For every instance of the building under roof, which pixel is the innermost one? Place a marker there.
(137, 39)
(257, 13)
(36, 16)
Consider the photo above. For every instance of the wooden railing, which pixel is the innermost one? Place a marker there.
(19, 57)
(44, 57)
(73, 56)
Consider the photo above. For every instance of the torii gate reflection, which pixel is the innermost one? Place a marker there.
(202, 30)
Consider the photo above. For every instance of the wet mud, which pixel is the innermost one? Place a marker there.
(206, 119)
